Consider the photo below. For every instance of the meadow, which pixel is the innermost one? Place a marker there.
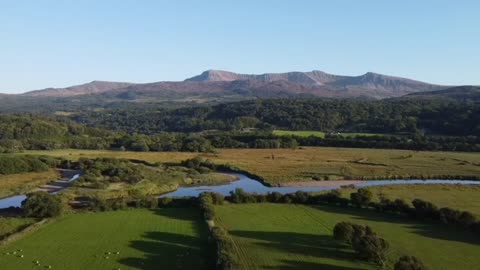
(23, 182)
(129, 239)
(463, 197)
(10, 225)
(320, 134)
(283, 236)
(301, 133)
(275, 166)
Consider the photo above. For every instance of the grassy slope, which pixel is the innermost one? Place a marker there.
(165, 239)
(11, 225)
(454, 196)
(20, 183)
(305, 163)
(301, 133)
(320, 134)
(276, 236)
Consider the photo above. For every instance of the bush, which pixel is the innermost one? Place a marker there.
(225, 252)
(362, 197)
(42, 205)
(343, 231)
(371, 247)
(409, 263)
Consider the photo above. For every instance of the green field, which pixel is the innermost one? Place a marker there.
(320, 134)
(301, 133)
(284, 165)
(146, 239)
(280, 236)
(462, 197)
(10, 225)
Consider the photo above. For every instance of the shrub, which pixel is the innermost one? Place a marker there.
(409, 263)
(343, 231)
(42, 205)
(424, 209)
(225, 252)
(371, 247)
(362, 197)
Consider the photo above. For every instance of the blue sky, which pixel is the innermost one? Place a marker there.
(62, 43)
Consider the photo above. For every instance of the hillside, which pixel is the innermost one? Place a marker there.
(225, 85)
(94, 87)
(460, 93)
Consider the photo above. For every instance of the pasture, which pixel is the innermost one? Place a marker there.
(462, 197)
(320, 134)
(301, 133)
(10, 225)
(307, 163)
(129, 239)
(283, 236)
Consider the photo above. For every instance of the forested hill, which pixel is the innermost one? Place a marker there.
(404, 115)
(18, 132)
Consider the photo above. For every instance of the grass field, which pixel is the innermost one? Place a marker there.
(160, 239)
(320, 134)
(301, 133)
(20, 183)
(279, 236)
(283, 165)
(465, 198)
(9, 225)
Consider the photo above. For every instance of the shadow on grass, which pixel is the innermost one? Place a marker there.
(420, 227)
(167, 250)
(311, 245)
(297, 265)
(187, 214)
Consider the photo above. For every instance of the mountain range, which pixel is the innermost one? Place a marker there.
(225, 83)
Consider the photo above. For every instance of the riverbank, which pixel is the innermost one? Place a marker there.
(330, 184)
(276, 166)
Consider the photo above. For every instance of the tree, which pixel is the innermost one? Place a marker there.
(362, 197)
(42, 205)
(343, 231)
(409, 263)
(371, 247)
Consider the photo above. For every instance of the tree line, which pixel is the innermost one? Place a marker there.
(430, 116)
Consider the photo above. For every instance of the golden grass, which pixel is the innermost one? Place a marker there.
(281, 165)
(462, 197)
(20, 183)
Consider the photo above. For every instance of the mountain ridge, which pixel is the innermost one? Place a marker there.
(315, 83)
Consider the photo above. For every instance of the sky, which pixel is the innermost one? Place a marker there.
(62, 43)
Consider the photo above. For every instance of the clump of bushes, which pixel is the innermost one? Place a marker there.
(367, 244)
(100, 172)
(409, 263)
(42, 205)
(21, 164)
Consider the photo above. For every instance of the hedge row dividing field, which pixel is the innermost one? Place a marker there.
(281, 236)
(129, 239)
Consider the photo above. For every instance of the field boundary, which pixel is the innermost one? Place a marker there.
(24, 232)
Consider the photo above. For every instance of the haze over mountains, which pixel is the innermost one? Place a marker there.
(218, 83)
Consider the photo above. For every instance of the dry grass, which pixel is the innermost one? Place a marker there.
(20, 183)
(283, 165)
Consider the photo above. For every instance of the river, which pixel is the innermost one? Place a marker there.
(250, 185)
(16, 201)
